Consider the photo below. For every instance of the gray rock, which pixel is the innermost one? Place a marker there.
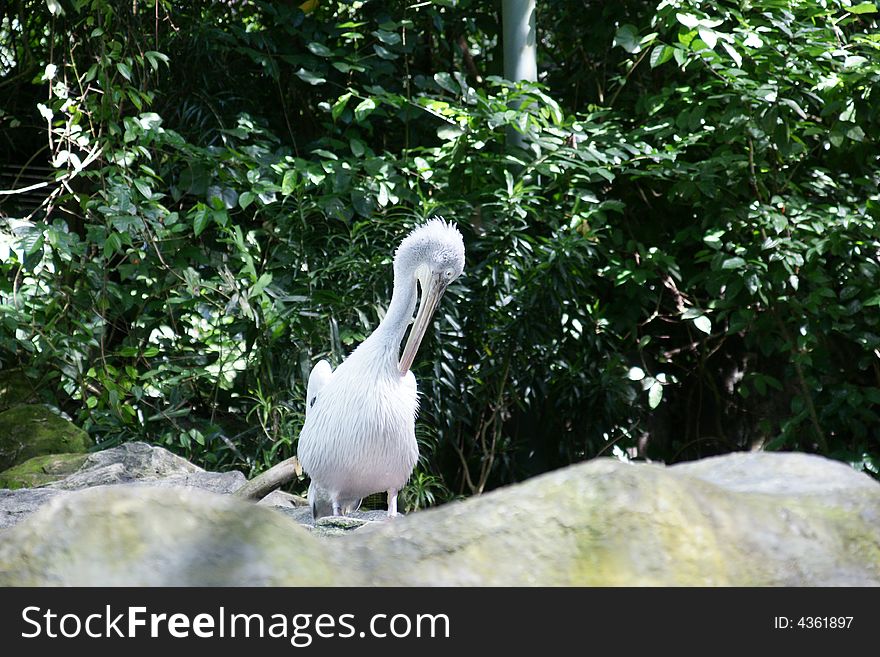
(717, 522)
(281, 499)
(778, 473)
(162, 536)
(132, 463)
(345, 525)
(143, 463)
(609, 523)
(330, 526)
(16, 505)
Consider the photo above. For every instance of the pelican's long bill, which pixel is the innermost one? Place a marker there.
(430, 300)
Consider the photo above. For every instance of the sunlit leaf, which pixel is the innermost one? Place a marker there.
(660, 55)
(733, 263)
(245, 199)
(655, 394)
(708, 36)
(309, 76)
(703, 323)
(143, 188)
(862, 8)
(289, 182)
(635, 374)
(364, 109)
(339, 105)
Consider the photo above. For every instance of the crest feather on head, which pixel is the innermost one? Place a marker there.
(436, 239)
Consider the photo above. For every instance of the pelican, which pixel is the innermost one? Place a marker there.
(359, 432)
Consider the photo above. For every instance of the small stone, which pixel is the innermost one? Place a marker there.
(340, 522)
(282, 499)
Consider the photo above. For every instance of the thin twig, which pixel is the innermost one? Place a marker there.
(464, 464)
(626, 77)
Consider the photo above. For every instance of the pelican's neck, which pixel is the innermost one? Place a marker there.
(389, 334)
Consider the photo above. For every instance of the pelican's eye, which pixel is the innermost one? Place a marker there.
(449, 273)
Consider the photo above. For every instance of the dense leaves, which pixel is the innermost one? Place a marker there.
(682, 262)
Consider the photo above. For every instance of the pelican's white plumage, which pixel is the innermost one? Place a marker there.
(359, 433)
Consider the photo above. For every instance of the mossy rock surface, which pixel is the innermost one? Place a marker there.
(135, 463)
(136, 535)
(736, 520)
(27, 431)
(41, 470)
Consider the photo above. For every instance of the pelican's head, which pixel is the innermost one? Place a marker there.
(434, 255)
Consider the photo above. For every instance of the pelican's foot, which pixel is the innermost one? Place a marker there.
(392, 503)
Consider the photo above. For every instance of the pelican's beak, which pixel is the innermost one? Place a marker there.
(432, 291)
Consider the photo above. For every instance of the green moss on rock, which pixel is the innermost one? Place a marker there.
(746, 519)
(165, 536)
(41, 470)
(27, 431)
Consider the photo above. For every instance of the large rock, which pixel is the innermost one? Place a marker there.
(164, 536)
(27, 431)
(745, 520)
(606, 523)
(38, 479)
(140, 462)
(131, 463)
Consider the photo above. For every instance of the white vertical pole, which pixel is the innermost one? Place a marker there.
(520, 46)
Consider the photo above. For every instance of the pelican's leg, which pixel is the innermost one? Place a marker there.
(337, 510)
(392, 503)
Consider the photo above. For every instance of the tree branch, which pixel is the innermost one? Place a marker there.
(272, 479)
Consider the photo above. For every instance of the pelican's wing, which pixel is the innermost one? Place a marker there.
(321, 374)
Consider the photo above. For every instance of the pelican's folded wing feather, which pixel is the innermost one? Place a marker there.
(320, 375)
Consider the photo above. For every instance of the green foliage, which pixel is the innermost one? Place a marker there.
(683, 262)
(771, 211)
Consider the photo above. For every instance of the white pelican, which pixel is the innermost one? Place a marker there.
(359, 432)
